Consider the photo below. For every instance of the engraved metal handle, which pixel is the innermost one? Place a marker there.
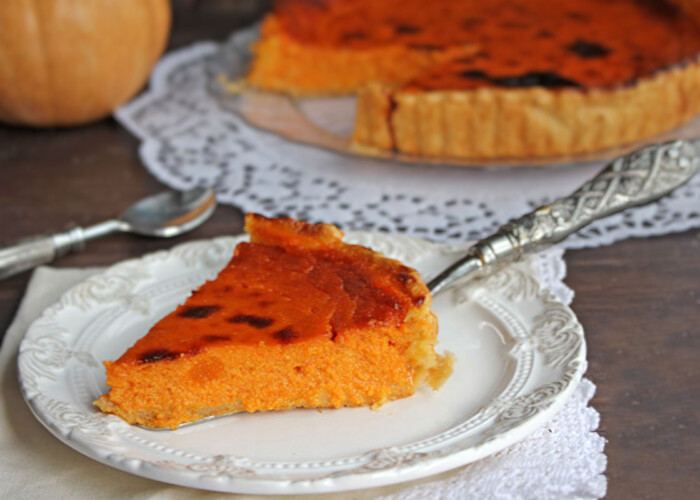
(38, 250)
(635, 179)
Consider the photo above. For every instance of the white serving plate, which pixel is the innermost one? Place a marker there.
(520, 354)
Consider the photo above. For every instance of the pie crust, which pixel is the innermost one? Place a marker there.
(535, 122)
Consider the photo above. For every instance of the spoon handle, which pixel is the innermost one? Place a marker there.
(38, 250)
(635, 179)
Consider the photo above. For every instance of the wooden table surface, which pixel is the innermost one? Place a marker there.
(638, 300)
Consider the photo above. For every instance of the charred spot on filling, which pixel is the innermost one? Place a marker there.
(285, 335)
(514, 25)
(215, 338)
(536, 79)
(252, 320)
(544, 34)
(354, 35)
(425, 46)
(577, 16)
(156, 355)
(530, 79)
(474, 74)
(407, 29)
(472, 22)
(662, 8)
(198, 312)
(404, 277)
(588, 50)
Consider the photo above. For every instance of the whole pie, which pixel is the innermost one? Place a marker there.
(297, 319)
(490, 78)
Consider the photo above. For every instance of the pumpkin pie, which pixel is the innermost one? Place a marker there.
(486, 79)
(297, 319)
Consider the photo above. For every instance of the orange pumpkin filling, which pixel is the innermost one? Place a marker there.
(512, 43)
(296, 319)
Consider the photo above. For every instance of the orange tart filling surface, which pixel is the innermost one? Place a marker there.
(296, 319)
(574, 62)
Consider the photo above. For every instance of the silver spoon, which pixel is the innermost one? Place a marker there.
(163, 215)
(635, 179)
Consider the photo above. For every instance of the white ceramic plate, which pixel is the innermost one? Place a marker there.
(520, 353)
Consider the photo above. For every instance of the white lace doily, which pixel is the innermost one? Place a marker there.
(563, 460)
(191, 138)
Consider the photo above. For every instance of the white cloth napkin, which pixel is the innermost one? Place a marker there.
(563, 460)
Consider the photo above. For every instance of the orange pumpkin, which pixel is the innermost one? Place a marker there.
(67, 62)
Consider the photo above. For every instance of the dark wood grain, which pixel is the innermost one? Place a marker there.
(638, 300)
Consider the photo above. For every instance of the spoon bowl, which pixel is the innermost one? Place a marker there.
(170, 213)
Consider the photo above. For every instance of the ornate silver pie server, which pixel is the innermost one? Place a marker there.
(635, 179)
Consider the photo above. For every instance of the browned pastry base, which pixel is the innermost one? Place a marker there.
(491, 122)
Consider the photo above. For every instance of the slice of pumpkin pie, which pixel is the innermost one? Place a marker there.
(297, 319)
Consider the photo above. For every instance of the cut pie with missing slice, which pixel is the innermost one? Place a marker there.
(497, 78)
(297, 319)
